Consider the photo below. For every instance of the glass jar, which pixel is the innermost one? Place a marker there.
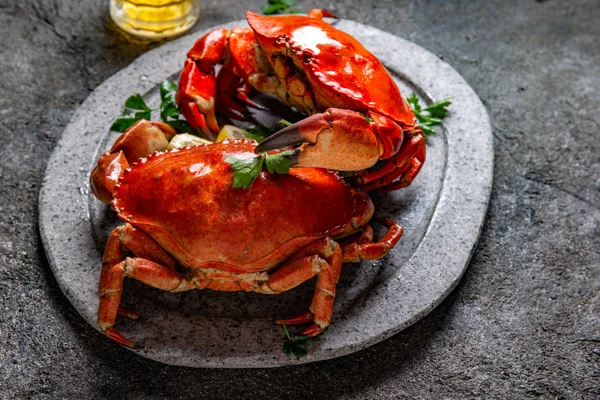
(154, 19)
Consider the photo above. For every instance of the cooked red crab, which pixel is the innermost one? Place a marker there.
(357, 115)
(189, 229)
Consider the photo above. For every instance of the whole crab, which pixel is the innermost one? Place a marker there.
(357, 115)
(188, 228)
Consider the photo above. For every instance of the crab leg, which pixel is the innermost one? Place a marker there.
(111, 287)
(409, 149)
(407, 174)
(355, 252)
(126, 237)
(109, 290)
(322, 258)
(405, 165)
(143, 246)
(198, 104)
(321, 307)
(243, 91)
(228, 84)
(199, 92)
(161, 277)
(362, 237)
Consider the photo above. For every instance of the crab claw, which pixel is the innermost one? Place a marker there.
(139, 140)
(196, 98)
(337, 139)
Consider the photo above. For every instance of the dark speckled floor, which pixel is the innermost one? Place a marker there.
(523, 323)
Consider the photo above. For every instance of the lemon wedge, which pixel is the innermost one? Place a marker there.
(185, 139)
(231, 132)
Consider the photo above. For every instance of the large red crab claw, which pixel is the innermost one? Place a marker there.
(201, 92)
(342, 140)
(346, 140)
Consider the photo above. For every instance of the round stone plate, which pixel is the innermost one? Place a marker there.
(442, 213)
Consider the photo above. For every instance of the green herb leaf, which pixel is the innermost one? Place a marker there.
(142, 111)
(285, 122)
(136, 102)
(166, 88)
(278, 7)
(279, 162)
(287, 334)
(270, 9)
(168, 109)
(122, 123)
(296, 344)
(245, 171)
(439, 109)
(427, 129)
(413, 100)
(429, 116)
(169, 112)
(143, 115)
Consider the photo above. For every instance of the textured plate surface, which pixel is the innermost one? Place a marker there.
(442, 212)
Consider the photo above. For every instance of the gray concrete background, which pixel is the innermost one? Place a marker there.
(523, 323)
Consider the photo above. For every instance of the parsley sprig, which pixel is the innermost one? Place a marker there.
(136, 109)
(280, 7)
(429, 116)
(245, 171)
(169, 112)
(296, 344)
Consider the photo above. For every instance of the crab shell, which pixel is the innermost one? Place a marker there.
(341, 72)
(184, 200)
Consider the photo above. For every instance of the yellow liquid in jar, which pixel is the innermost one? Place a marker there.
(154, 19)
